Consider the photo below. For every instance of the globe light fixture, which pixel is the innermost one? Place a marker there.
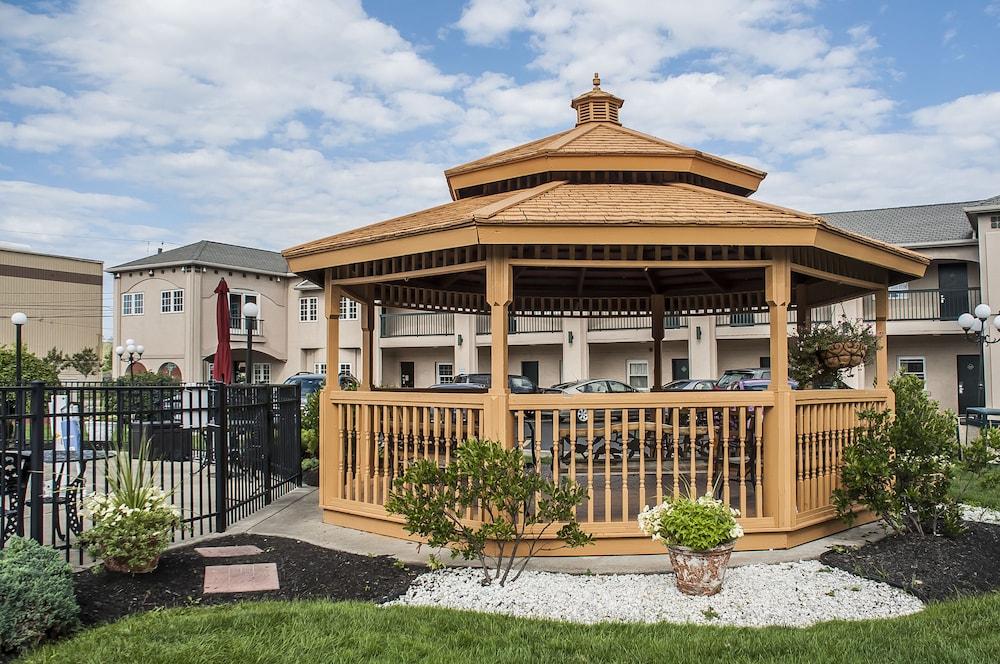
(131, 353)
(250, 311)
(977, 329)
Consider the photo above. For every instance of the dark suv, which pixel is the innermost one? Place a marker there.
(480, 382)
(731, 378)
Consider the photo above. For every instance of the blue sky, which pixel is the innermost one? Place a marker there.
(127, 125)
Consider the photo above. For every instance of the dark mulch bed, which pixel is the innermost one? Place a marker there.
(304, 572)
(932, 568)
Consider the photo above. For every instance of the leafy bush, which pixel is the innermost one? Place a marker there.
(310, 425)
(309, 463)
(804, 364)
(36, 595)
(700, 524)
(32, 367)
(978, 479)
(483, 475)
(134, 520)
(900, 465)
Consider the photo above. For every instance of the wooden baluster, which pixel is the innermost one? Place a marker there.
(676, 431)
(759, 442)
(693, 439)
(828, 458)
(626, 432)
(807, 456)
(799, 455)
(726, 497)
(537, 442)
(571, 421)
(554, 446)
(743, 460)
(607, 464)
(709, 469)
(447, 414)
(814, 458)
(659, 414)
(641, 435)
(339, 416)
(352, 432)
(590, 463)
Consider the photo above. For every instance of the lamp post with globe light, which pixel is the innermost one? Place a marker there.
(250, 311)
(977, 329)
(131, 352)
(19, 320)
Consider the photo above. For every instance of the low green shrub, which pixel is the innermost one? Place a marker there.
(36, 595)
(309, 463)
(310, 425)
(696, 523)
(484, 476)
(900, 464)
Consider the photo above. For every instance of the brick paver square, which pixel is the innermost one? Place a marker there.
(228, 551)
(241, 578)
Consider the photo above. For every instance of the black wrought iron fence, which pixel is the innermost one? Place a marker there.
(222, 451)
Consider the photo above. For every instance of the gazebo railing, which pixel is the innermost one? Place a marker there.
(826, 421)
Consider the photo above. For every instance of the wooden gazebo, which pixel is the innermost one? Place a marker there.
(603, 221)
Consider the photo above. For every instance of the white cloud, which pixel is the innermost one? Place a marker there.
(491, 21)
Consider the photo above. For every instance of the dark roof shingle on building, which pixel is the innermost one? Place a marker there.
(910, 225)
(219, 254)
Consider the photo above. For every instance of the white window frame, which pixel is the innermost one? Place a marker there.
(319, 367)
(629, 375)
(308, 309)
(922, 375)
(348, 309)
(262, 372)
(133, 304)
(172, 301)
(237, 314)
(342, 365)
(444, 376)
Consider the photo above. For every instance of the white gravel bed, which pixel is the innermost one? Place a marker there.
(791, 594)
(981, 514)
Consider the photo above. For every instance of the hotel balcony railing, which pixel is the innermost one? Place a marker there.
(522, 324)
(751, 318)
(926, 304)
(238, 326)
(634, 323)
(417, 325)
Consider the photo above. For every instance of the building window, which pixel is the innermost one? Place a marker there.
(237, 321)
(638, 374)
(132, 304)
(345, 369)
(348, 309)
(899, 292)
(445, 372)
(171, 301)
(262, 372)
(995, 221)
(913, 365)
(308, 309)
(320, 368)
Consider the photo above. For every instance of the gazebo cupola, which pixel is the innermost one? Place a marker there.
(599, 150)
(597, 105)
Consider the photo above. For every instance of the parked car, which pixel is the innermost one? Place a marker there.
(732, 376)
(759, 385)
(697, 384)
(313, 382)
(592, 386)
(480, 382)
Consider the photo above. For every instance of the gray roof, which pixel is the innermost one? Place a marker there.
(989, 202)
(215, 254)
(913, 224)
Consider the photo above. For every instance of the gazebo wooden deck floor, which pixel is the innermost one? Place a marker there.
(604, 221)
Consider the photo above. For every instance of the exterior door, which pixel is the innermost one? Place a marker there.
(953, 284)
(529, 369)
(679, 369)
(968, 383)
(406, 374)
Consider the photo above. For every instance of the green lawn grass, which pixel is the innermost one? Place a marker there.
(324, 632)
(970, 489)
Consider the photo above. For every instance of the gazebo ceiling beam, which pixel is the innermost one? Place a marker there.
(835, 278)
(610, 264)
(413, 274)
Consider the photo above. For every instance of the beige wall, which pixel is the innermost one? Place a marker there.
(940, 355)
(610, 360)
(424, 364)
(741, 353)
(62, 297)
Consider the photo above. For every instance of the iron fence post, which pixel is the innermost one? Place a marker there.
(297, 435)
(268, 444)
(221, 459)
(37, 462)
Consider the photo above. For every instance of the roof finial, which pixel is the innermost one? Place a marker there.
(597, 81)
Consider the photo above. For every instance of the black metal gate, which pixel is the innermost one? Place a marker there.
(223, 451)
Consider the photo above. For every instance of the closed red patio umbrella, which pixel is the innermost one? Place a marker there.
(222, 366)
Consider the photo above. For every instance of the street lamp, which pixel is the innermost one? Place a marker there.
(977, 329)
(19, 320)
(131, 352)
(250, 311)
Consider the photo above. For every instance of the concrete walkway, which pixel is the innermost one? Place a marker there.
(296, 515)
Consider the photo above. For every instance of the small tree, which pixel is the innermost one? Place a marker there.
(32, 367)
(484, 476)
(87, 362)
(899, 465)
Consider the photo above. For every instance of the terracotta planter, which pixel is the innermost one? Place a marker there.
(117, 565)
(700, 572)
(842, 355)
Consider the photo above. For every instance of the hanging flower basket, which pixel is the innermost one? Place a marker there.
(843, 355)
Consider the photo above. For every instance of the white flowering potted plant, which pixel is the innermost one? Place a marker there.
(134, 520)
(699, 534)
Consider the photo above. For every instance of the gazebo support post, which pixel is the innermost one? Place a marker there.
(499, 293)
(803, 310)
(366, 381)
(882, 354)
(329, 416)
(657, 308)
(779, 435)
